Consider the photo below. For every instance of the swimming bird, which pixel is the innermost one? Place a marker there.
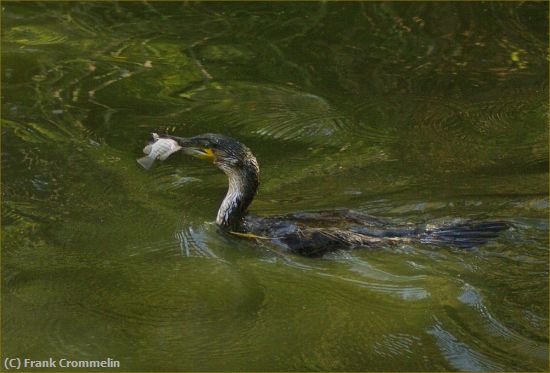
(313, 234)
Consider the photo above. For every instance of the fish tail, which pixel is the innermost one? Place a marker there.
(146, 162)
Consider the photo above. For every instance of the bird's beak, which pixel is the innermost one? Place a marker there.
(192, 147)
(200, 152)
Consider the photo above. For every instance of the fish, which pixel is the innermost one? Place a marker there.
(160, 148)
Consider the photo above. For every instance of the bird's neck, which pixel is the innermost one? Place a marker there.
(243, 184)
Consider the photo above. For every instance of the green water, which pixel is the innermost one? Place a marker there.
(412, 111)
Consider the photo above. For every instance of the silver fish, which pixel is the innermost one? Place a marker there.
(160, 149)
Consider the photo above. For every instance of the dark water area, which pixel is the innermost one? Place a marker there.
(413, 111)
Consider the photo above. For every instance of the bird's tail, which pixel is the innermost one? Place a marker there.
(463, 235)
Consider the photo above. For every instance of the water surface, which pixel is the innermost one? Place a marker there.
(413, 111)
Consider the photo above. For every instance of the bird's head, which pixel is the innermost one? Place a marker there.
(239, 164)
(231, 156)
(225, 152)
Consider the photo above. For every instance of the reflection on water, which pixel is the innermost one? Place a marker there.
(413, 111)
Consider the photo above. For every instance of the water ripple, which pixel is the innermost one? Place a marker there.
(460, 355)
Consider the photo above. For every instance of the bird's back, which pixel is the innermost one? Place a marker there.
(315, 233)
